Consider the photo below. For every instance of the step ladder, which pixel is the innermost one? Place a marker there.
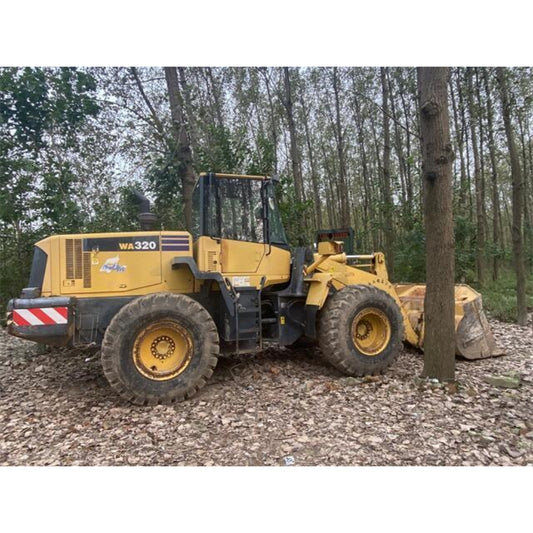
(248, 320)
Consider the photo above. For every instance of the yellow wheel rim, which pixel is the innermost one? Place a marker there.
(163, 350)
(371, 331)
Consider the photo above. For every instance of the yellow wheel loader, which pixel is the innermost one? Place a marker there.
(162, 305)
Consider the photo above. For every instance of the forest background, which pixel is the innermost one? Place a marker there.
(75, 142)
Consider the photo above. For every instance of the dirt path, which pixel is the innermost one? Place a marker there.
(279, 407)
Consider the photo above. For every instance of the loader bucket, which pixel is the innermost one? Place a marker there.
(473, 337)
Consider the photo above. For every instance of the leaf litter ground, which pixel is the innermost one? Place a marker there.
(279, 407)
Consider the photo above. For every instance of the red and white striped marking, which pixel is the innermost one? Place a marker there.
(40, 316)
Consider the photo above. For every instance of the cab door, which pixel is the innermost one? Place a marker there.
(234, 220)
(240, 212)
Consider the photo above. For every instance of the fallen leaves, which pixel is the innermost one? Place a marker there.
(275, 408)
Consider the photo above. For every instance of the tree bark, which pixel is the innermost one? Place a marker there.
(409, 165)
(518, 187)
(367, 203)
(344, 205)
(480, 227)
(387, 194)
(183, 146)
(496, 213)
(437, 157)
(465, 193)
(314, 177)
(295, 154)
(527, 234)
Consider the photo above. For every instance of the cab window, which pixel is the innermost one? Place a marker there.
(239, 210)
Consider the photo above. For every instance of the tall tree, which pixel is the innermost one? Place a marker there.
(295, 153)
(339, 136)
(183, 144)
(496, 215)
(387, 194)
(437, 157)
(480, 236)
(518, 192)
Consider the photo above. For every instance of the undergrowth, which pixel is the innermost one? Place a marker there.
(499, 297)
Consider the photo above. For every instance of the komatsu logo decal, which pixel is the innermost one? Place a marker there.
(112, 265)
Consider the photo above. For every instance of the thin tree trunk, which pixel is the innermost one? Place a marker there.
(344, 205)
(273, 130)
(295, 154)
(155, 118)
(387, 194)
(481, 114)
(528, 242)
(437, 156)
(496, 213)
(398, 144)
(409, 184)
(465, 195)
(367, 205)
(183, 146)
(518, 188)
(480, 228)
(314, 177)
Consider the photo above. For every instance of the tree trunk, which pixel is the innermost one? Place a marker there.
(480, 234)
(387, 194)
(518, 252)
(409, 165)
(344, 205)
(496, 213)
(437, 157)
(295, 154)
(367, 205)
(273, 125)
(314, 177)
(465, 195)
(528, 241)
(481, 113)
(460, 146)
(183, 145)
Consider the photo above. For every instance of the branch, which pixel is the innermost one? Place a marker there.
(155, 118)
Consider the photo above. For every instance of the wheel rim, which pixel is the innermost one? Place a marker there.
(163, 350)
(371, 331)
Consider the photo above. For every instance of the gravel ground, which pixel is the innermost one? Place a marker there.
(281, 407)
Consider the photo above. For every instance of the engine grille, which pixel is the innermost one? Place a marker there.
(78, 264)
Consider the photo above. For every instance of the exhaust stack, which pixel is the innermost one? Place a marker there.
(147, 219)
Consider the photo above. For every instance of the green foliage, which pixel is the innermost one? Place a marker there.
(465, 249)
(73, 142)
(261, 161)
(164, 181)
(118, 212)
(224, 153)
(499, 297)
(41, 114)
(293, 213)
(410, 256)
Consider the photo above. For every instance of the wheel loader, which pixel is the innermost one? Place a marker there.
(162, 305)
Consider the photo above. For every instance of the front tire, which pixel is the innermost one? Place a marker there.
(160, 349)
(360, 330)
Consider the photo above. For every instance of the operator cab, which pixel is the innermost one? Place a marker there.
(237, 230)
(244, 208)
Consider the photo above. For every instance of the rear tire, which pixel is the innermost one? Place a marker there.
(160, 349)
(360, 330)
